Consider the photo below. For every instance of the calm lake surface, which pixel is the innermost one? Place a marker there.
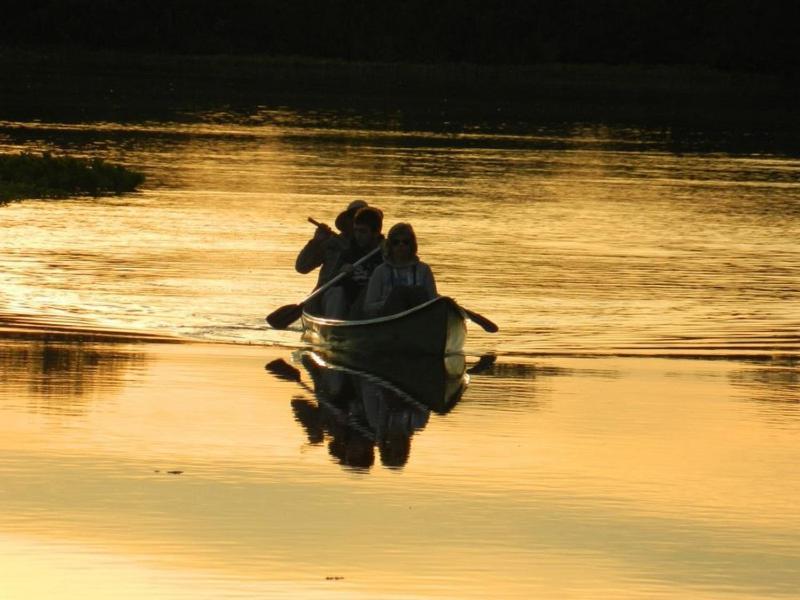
(635, 438)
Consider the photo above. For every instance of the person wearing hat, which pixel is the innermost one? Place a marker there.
(325, 249)
(345, 299)
(344, 222)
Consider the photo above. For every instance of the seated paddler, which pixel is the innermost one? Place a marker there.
(325, 250)
(345, 300)
(402, 281)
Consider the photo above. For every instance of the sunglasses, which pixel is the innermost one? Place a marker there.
(399, 241)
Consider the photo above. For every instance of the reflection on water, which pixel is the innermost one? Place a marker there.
(774, 387)
(558, 477)
(359, 406)
(60, 376)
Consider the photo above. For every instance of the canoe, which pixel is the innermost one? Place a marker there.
(435, 328)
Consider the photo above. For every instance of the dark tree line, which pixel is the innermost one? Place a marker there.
(739, 34)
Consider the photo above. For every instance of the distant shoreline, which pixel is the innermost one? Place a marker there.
(179, 81)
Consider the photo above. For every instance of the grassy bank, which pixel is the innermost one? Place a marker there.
(45, 176)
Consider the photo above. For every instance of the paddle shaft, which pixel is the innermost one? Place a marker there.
(288, 314)
(479, 319)
(476, 318)
(285, 315)
(339, 277)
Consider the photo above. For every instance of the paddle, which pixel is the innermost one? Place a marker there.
(485, 362)
(478, 319)
(288, 314)
(316, 223)
(283, 370)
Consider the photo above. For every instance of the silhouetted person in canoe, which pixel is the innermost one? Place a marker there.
(402, 281)
(392, 420)
(325, 250)
(345, 300)
(337, 413)
(352, 449)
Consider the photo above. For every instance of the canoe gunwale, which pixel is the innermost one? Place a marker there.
(378, 320)
(444, 334)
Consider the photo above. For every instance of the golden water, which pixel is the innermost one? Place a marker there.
(565, 471)
(583, 240)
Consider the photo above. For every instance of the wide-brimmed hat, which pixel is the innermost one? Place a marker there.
(352, 208)
(370, 216)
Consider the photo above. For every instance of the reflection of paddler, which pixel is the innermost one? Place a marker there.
(360, 409)
(351, 448)
(350, 444)
(392, 420)
(311, 417)
(333, 385)
(384, 412)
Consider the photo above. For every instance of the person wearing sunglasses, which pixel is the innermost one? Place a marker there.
(402, 281)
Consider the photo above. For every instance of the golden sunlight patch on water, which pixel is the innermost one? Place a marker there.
(653, 456)
(572, 241)
(90, 571)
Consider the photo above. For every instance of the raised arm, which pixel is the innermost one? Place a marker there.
(313, 253)
(310, 257)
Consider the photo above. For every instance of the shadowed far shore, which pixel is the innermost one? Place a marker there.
(37, 83)
(22, 327)
(749, 35)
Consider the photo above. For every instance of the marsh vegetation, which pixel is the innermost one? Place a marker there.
(28, 175)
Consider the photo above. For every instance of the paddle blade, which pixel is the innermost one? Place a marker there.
(282, 370)
(484, 363)
(285, 316)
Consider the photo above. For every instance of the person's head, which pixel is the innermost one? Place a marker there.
(394, 450)
(344, 222)
(351, 449)
(401, 243)
(367, 225)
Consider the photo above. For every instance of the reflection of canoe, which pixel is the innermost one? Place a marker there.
(427, 382)
(433, 328)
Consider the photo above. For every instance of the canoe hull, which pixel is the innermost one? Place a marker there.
(436, 328)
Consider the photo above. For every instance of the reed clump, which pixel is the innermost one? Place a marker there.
(27, 175)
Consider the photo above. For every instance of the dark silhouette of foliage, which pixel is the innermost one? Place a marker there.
(737, 34)
(27, 175)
